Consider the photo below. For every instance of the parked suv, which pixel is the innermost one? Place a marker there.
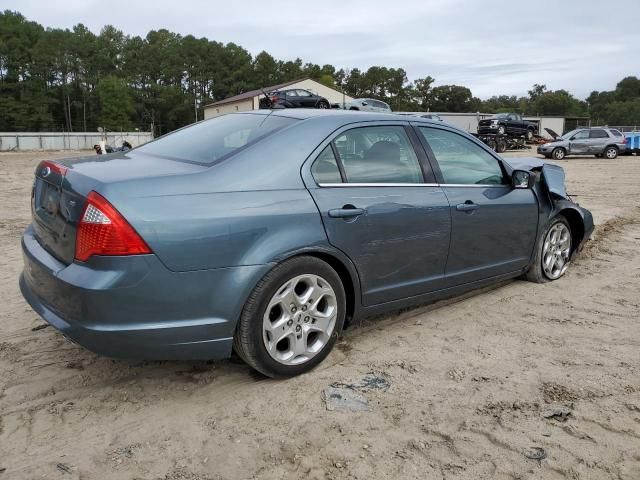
(508, 123)
(368, 105)
(294, 98)
(601, 142)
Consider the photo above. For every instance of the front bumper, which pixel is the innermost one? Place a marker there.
(134, 307)
(487, 129)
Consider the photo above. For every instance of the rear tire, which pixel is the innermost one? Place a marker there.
(323, 105)
(552, 253)
(303, 302)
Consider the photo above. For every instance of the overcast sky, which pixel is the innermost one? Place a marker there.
(580, 45)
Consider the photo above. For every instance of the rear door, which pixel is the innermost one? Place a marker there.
(493, 225)
(598, 139)
(380, 206)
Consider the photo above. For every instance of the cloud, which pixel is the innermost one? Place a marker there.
(501, 49)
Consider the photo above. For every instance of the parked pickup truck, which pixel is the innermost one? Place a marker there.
(508, 123)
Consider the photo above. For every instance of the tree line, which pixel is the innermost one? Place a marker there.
(75, 80)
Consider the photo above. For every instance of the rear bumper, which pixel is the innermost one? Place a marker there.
(134, 307)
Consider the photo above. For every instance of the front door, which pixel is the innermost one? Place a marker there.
(377, 208)
(579, 143)
(493, 225)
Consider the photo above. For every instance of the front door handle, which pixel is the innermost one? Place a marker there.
(467, 206)
(345, 212)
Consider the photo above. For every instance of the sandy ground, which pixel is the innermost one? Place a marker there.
(469, 381)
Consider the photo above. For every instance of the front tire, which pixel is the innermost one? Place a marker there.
(552, 253)
(559, 153)
(292, 318)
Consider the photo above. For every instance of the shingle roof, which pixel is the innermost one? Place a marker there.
(253, 93)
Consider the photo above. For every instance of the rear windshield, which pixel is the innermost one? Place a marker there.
(213, 140)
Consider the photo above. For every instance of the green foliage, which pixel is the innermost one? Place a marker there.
(618, 107)
(116, 103)
(53, 79)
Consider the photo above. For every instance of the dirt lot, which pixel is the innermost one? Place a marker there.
(469, 381)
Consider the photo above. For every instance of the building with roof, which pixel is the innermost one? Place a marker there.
(251, 100)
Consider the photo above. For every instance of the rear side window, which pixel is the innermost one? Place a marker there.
(616, 133)
(598, 134)
(379, 154)
(461, 161)
(213, 140)
(325, 168)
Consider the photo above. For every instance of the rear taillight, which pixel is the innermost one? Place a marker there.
(104, 231)
(274, 99)
(52, 167)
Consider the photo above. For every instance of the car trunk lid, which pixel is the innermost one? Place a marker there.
(61, 188)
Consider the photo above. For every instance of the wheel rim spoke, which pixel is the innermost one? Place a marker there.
(555, 251)
(299, 319)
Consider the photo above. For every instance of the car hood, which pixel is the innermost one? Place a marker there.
(551, 175)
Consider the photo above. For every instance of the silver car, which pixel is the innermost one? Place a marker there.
(368, 105)
(601, 142)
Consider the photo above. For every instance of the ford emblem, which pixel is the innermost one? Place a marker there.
(46, 171)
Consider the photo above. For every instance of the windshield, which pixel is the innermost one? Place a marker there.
(213, 140)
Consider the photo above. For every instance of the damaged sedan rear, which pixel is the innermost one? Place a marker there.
(265, 232)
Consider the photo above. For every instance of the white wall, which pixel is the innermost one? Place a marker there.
(554, 123)
(239, 106)
(19, 141)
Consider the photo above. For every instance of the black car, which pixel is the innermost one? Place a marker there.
(293, 98)
(508, 123)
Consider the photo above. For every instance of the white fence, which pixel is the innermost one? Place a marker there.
(20, 141)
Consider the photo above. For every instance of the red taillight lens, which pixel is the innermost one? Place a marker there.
(104, 231)
(274, 99)
(52, 166)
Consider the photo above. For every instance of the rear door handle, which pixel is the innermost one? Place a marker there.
(345, 212)
(467, 206)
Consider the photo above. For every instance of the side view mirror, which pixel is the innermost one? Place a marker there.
(573, 138)
(522, 179)
(365, 103)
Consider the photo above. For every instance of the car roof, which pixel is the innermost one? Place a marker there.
(340, 116)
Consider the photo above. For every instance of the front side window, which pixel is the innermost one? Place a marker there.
(378, 154)
(213, 140)
(581, 135)
(325, 167)
(291, 93)
(598, 134)
(303, 93)
(461, 161)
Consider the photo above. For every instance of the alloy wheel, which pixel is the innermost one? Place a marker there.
(558, 154)
(555, 251)
(611, 153)
(299, 319)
